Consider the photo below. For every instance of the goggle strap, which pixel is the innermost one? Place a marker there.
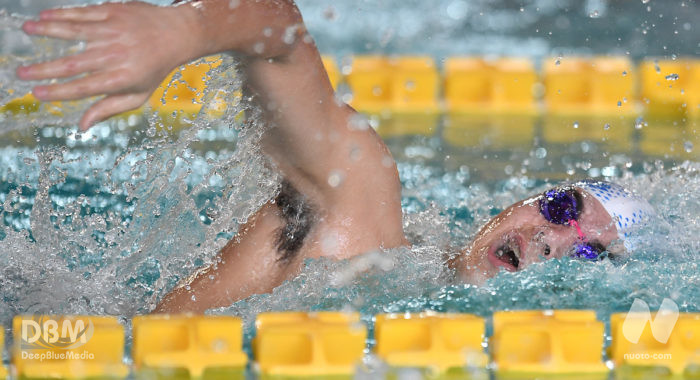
(574, 223)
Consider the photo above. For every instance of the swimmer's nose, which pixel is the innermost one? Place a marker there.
(548, 243)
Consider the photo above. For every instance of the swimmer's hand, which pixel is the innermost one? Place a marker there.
(130, 48)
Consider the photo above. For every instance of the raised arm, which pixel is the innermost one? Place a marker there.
(131, 47)
(322, 147)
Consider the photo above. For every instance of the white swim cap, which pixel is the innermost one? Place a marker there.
(627, 210)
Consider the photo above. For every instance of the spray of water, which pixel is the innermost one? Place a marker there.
(108, 221)
(118, 217)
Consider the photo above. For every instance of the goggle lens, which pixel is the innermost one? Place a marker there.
(586, 251)
(559, 206)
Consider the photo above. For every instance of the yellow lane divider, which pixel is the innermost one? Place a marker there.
(197, 345)
(382, 84)
(600, 85)
(413, 85)
(408, 83)
(186, 93)
(671, 87)
(400, 94)
(437, 342)
(673, 345)
(308, 344)
(474, 85)
(548, 342)
(68, 347)
(301, 345)
(3, 370)
(334, 75)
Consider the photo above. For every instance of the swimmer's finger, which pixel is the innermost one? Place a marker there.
(110, 106)
(107, 82)
(67, 66)
(88, 13)
(65, 30)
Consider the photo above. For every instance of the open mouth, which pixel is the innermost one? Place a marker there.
(507, 254)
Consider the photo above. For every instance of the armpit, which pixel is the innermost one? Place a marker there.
(298, 216)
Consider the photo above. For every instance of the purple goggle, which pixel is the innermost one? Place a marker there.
(563, 206)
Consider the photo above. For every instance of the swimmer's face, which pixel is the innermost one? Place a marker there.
(520, 236)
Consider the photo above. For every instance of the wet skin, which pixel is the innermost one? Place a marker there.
(520, 236)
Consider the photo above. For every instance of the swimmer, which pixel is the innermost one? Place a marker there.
(585, 219)
(131, 47)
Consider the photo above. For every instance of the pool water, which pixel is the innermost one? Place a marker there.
(90, 221)
(107, 222)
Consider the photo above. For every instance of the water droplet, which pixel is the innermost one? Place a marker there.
(656, 67)
(336, 177)
(606, 126)
(619, 103)
(672, 77)
(376, 91)
(594, 14)
(355, 154)
(540, 152)
(358, 122)
(330, 13)
(624, 73)
(259, 48)
(290, 35)
(645, 1)
(558, 61)
(410, 85)
(639, 123)
(576, 125)
(219, 345)
(457, 9)
(688, 146)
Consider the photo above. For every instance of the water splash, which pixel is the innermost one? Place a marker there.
(107, 227)
(440, 209)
